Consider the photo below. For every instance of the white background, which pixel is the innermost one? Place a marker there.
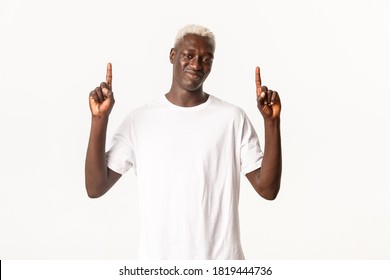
(329, 61)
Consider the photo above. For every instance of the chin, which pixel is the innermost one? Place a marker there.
(193, 85)
(194, 90)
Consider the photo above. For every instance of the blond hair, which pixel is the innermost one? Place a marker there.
(196, 30)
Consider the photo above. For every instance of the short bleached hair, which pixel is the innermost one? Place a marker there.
(196, 30)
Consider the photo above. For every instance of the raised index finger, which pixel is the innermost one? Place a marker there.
(258, 81)
(109, 76)
(258, 78)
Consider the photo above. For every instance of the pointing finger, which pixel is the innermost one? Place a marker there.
(109, 75)
(258, 81)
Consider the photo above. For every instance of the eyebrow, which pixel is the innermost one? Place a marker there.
(194, 50)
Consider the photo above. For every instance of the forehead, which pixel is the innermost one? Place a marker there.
(197, 43)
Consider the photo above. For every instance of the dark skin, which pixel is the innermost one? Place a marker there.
(192, 62)
(98, 177)
(266, 180)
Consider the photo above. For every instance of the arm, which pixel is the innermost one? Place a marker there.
(266, 180)
(98, 177)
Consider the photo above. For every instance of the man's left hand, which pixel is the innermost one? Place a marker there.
(268, 101)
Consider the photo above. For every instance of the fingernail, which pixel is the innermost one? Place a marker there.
(262, 94)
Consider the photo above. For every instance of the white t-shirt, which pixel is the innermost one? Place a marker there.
(188, 162)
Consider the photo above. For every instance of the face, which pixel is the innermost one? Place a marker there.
(192, 59)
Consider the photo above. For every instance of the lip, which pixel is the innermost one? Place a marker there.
(194, 74)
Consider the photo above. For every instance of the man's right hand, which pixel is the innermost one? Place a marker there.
(101, 99)
(98, 177)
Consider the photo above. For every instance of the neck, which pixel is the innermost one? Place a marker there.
(186, 98)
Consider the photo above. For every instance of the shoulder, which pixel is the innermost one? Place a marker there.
(226, 107)
(145, 109)
(231, 114)
(153, 104)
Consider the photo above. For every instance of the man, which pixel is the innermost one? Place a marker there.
(187, 148)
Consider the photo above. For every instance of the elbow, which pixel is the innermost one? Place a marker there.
(269, 187)
(93, 195)
(270, 193)
(269, 196)
(93, 191)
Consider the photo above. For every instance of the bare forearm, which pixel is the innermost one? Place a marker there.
(271, 169)
(96, 176)
(266, 180)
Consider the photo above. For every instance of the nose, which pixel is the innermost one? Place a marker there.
(196, 63)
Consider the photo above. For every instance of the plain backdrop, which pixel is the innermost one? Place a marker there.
(329, 61)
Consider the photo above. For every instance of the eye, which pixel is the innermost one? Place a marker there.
(208, 60)
(187, 56)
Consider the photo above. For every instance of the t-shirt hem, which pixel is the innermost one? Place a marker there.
(116, 168)
(252, 167)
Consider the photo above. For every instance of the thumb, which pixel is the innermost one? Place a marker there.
(261, 98)
(107, 93)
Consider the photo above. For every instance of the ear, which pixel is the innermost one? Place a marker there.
(172, 54)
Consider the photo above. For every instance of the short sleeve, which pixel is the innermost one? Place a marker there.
(251, 153)
(121, 157)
